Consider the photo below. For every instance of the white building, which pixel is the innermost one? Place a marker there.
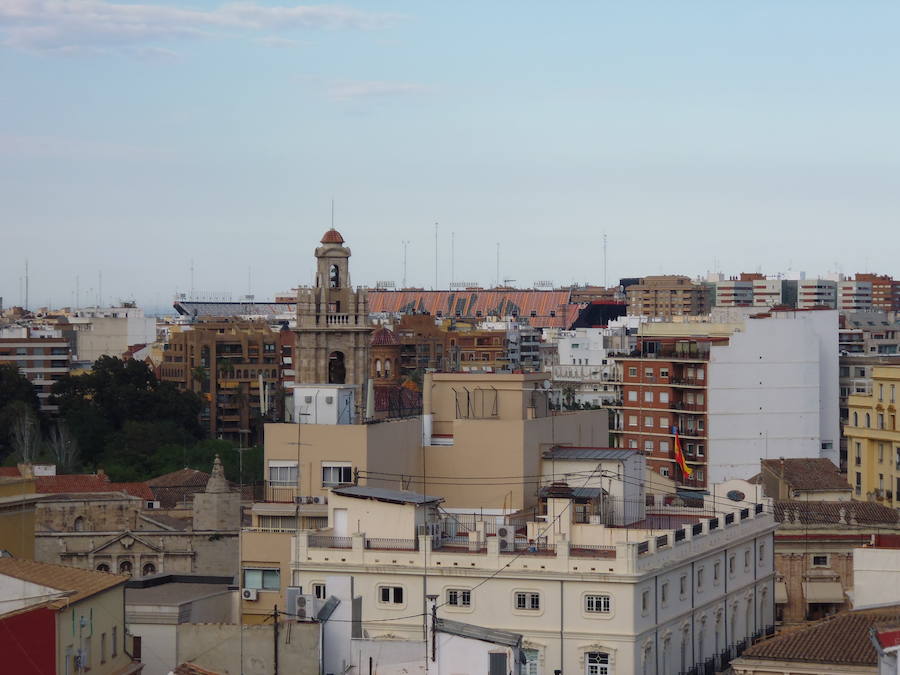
(816, 293)
(661, 595)
(734, 293)
(855, 295)
(773, 392)
(109, 331)
(587, 361)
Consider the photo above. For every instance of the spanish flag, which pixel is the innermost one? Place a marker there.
(686, 471)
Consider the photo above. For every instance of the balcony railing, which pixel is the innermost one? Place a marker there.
(392, 544)
(329, 541)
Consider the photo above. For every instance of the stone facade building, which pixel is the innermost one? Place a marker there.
(116, 532)
(333, 328)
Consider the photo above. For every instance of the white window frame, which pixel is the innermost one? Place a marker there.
(527, 601)
(265, 573)
(392, 591)
(632, 395)
(648, 396)
(597, 663)
(598, 603)
(459, 597)
(281, 477)
(820, 564)
(345, 468)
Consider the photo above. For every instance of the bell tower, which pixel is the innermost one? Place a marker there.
(333, 323)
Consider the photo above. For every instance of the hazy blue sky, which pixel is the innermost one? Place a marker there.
(136, 137)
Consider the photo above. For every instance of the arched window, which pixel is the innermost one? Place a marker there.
(334, 277)
(387, 367)
(377, 367)
(337, 371)
(597, 663)
(856, 419)
(148, 569)
(125, 567)
(78, 524)
(868, 420)
(103, 567)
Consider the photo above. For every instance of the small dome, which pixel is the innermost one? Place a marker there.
(332, 237)
(384, 336)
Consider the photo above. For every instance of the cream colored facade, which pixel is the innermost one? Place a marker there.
(96, 625)
(873, 439)
(647, 602)
(481, 427)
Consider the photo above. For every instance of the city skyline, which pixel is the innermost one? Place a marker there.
(141, 137)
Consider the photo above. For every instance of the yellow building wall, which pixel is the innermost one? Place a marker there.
(101, 612)
(265, 550)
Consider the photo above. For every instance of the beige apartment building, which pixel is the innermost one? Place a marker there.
(667, 296)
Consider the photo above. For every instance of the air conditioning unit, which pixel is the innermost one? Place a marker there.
(151, 505)
(307, 399)
(329, 400)
(506, 537)
(303, 606)
(299, 500)
(250, 594)
(315, 500)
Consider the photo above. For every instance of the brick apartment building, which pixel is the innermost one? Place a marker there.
(41, 355)
(667, 296)
(236, 367)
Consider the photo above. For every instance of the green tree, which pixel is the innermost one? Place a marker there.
(14, 386)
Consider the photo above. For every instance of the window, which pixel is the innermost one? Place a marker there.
(689, 448)
(391, 595)
(664, 446)
(263, 579)
(632, 372)
(700, 450)
(663, 397)
(125, 567)
(682, 585)
(528, 601)
(881, 420)
(645, 602)
(700, 374)
(457, 597)
(632, 395)
(664, 471)
(648, 446)
(596, 663)
(868, 420)
(115, 644)
(648, 372)
(762, 552)
(319, 591)
(530, 667)
(103, 567)
(716, 569)
(856, 419)
(336, 474)
(648, 397)
(648, 422)
(880, 392)
(820, 561)
(892, 394)
(597, 604)
(79, 524)
(148, 569)
(663, 372)
(731, 564)
(282, 473)
(663, 422)
(632, 420)
(747, 559)
(632, 443)
(664, 593)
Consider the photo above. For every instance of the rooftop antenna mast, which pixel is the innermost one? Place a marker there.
(100, 288)
(498, 263)
(604, 260)
(192, 279)
(452, 257)
(435, 256)
(332, 213)
(77, 292)
(26, 284)
(405, 244)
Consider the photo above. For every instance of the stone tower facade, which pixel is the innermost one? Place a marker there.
(333, 328)
(218, 507)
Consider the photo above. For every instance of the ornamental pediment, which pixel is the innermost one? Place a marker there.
(127, 542)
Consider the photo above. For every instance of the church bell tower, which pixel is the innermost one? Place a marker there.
(333, 326)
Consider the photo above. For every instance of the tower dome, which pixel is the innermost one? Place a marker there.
(332, 237)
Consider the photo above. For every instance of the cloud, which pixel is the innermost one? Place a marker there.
(276, 42)
(353, 91)
(67, 25)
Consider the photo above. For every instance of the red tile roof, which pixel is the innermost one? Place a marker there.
(83, 583)
(807, 473)
(842, 639)
(829, 513)
(481, 304)
(178, 487)
(88, 482)
(332, 237)
(384, 337)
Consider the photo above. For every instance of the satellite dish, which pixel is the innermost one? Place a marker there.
(546, 384)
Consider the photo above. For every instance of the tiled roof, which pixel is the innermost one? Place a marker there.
(178, 487)
(384, 337)
(332, 237)
(829, 513)
(481, 304)
(808, 473)
(842, 639)
(88, 482)
(84, 583)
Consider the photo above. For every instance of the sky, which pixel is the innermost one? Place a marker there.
(142, 140)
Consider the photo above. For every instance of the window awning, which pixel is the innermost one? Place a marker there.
(780, 593)
(823, 592)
